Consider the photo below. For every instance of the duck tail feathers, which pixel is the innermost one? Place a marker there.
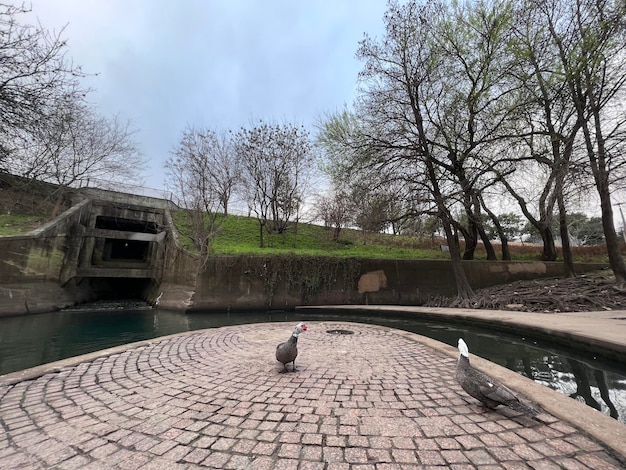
(525, 408)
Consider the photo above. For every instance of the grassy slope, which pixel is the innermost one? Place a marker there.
(17, 224)
(240, 235)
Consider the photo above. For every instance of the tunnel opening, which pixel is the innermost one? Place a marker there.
(120, 288)
(130, 250)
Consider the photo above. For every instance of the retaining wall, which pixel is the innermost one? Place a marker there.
(38, 274)
(284, 282)
(32, 266)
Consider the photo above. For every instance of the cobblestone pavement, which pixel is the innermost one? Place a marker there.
(374, 399)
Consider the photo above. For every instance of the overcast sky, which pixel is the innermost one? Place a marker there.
(213, 63)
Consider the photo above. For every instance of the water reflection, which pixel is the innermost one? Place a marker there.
(27, 341)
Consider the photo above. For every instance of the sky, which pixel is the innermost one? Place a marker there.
(219, 64)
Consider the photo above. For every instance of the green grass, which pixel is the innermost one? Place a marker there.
(240, 235)
(18, 224)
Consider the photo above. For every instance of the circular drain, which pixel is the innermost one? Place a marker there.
(340, 332)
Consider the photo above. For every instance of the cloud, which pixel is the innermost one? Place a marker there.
(219, 63)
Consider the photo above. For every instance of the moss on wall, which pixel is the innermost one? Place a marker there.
(44, 261)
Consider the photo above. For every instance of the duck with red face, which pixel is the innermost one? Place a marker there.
(288, 351)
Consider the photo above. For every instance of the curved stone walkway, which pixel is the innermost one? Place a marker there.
(375, 399)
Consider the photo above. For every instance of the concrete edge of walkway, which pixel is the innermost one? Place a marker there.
(590, 421)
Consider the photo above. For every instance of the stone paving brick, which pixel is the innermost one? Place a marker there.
(177, 453)
(310, 452)
(515, 465)
(77, 462)
(545, 465)
(216, 460)
(404, 456)
(216, 399)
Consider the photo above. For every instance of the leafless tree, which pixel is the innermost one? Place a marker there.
(48, 131)
(334, 209)
(202, 171)
(276, 163)
(76, 144)
(35, 77)
(207, 159)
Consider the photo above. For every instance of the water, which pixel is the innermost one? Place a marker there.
(30, 340)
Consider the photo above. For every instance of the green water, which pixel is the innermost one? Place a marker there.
(30, 340)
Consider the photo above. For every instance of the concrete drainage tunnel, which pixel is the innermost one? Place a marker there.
(121, 253)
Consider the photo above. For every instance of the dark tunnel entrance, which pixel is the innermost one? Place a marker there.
(125, 250)
(120, 288)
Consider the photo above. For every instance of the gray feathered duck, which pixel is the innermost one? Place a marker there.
(288, 351)
(490, 392)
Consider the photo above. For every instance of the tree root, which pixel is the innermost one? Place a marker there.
(583, 293)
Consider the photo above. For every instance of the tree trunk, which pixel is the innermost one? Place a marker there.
(543, 227)
(506, 252)
(612, 240)
(60, 196)
(470, 235)
(491, 253)
(568, 259)
(336, 232)
(601, 177)
(463, 289)
(549, 252)
(478, 220)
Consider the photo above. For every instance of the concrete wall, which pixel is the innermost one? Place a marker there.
(121, 198)
(283, 282)
(42, 272)
(180, 273)
(53, 267)
(32, 267)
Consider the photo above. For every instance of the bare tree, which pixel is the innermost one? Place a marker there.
(35, 77)
(202, 172)
(334, 209)
(276, 162)
(74, 145)
(47, 130)
(209, 163)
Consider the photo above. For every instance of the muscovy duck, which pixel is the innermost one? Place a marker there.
(486, 389)
(288, 351)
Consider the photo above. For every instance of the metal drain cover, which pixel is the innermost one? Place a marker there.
(340, 332)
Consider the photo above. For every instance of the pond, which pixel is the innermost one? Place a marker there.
(30, 340)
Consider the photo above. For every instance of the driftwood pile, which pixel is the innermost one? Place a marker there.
(583, 293)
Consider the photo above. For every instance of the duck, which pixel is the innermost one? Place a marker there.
(288, 351)
(486, 389)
